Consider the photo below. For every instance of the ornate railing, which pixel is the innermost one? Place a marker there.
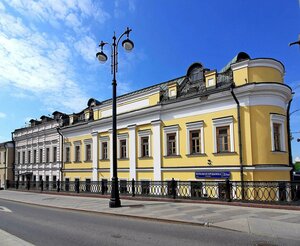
(265, 191)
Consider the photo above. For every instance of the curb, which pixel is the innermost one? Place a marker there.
(234, 203)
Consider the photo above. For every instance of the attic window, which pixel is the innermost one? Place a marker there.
(195, 74)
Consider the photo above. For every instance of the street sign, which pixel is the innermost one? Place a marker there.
(212, 175)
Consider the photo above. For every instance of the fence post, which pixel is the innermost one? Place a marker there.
(42, 184)
(133, 187)
(58, 185)
(102, 186)
(77, 186)
(7, 184)
(173, 184)
(28, 184)
(228, 198)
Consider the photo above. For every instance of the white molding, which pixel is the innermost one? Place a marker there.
(191, 126)
(234, 168)
(156, 128)
(141, 134)
(120, 137)
(132, 153)
(278, 119)
(168, 130)
(95, 155)
(227, 121)
(260, 62)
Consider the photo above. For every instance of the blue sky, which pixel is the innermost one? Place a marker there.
(47, 48)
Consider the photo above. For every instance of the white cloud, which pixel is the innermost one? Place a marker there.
(87, 47)
(35, 63)
(297, 159)
(55, 11)
(2, 115)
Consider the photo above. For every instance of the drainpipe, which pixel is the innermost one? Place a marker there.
(14, 157)
(289, 139)
(240, 140)
(61, 155)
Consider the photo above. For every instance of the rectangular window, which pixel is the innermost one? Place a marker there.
(276, 136)
(88, 152)
(171, 144)
(23, 157)
(41, 156)
(29, 156)
(145, 146)
(223, 139)
(47, 155)
(54, 154)
(123, 150)
(34, 156)
(195, 142)
(67, 154)
(77, 153)
(19, 158)
(104, 151)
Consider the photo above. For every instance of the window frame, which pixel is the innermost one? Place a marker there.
(77, 144)
(223, 122)
(103, 140)
(54, 154)
(67, 157)
(167, 131)
(141, 135)
(47, 154)
(218, 129)
(280, 121)
(122, 137)
(191, 127)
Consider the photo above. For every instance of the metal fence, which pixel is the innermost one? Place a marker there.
(265, 191)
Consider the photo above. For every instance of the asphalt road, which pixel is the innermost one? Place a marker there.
(48, 226)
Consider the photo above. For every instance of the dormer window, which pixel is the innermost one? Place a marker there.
(195, 74)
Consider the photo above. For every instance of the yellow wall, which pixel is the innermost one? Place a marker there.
(261, 136)
(264, 74)
(272, 176)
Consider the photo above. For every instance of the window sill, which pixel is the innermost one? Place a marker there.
(146, 158)
(172, 156)
(123, 159)
(87, 161)
(225, 153)
(103, 159)
(195, 155)
(67, 162)
(76, 161)
(278, 152)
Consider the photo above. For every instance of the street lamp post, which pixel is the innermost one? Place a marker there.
(102, 57)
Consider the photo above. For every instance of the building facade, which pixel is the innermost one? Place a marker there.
(205, 125)
(6, 162)
(38, 149)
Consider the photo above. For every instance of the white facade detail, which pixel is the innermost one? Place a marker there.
(157, 156)
(95, 155)
(132, 152)
(228, 121)
(280, 120)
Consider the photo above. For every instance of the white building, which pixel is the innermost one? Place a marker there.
(38, 150)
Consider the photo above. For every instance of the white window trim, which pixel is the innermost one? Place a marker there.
(122, 137)
(168, 130)
(141, 134)
(88, 142)
(228, 121)
(77, 143)
(278, 119)
(192, 127)
(103, 140)
(67, 145)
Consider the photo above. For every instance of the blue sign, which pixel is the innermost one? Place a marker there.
(212, 175)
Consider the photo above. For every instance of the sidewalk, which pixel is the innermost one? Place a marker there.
(278, 223)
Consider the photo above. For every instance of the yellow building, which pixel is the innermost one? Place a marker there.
(6, 162)
(204, 125)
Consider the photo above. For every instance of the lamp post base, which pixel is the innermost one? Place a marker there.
(114, 203)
